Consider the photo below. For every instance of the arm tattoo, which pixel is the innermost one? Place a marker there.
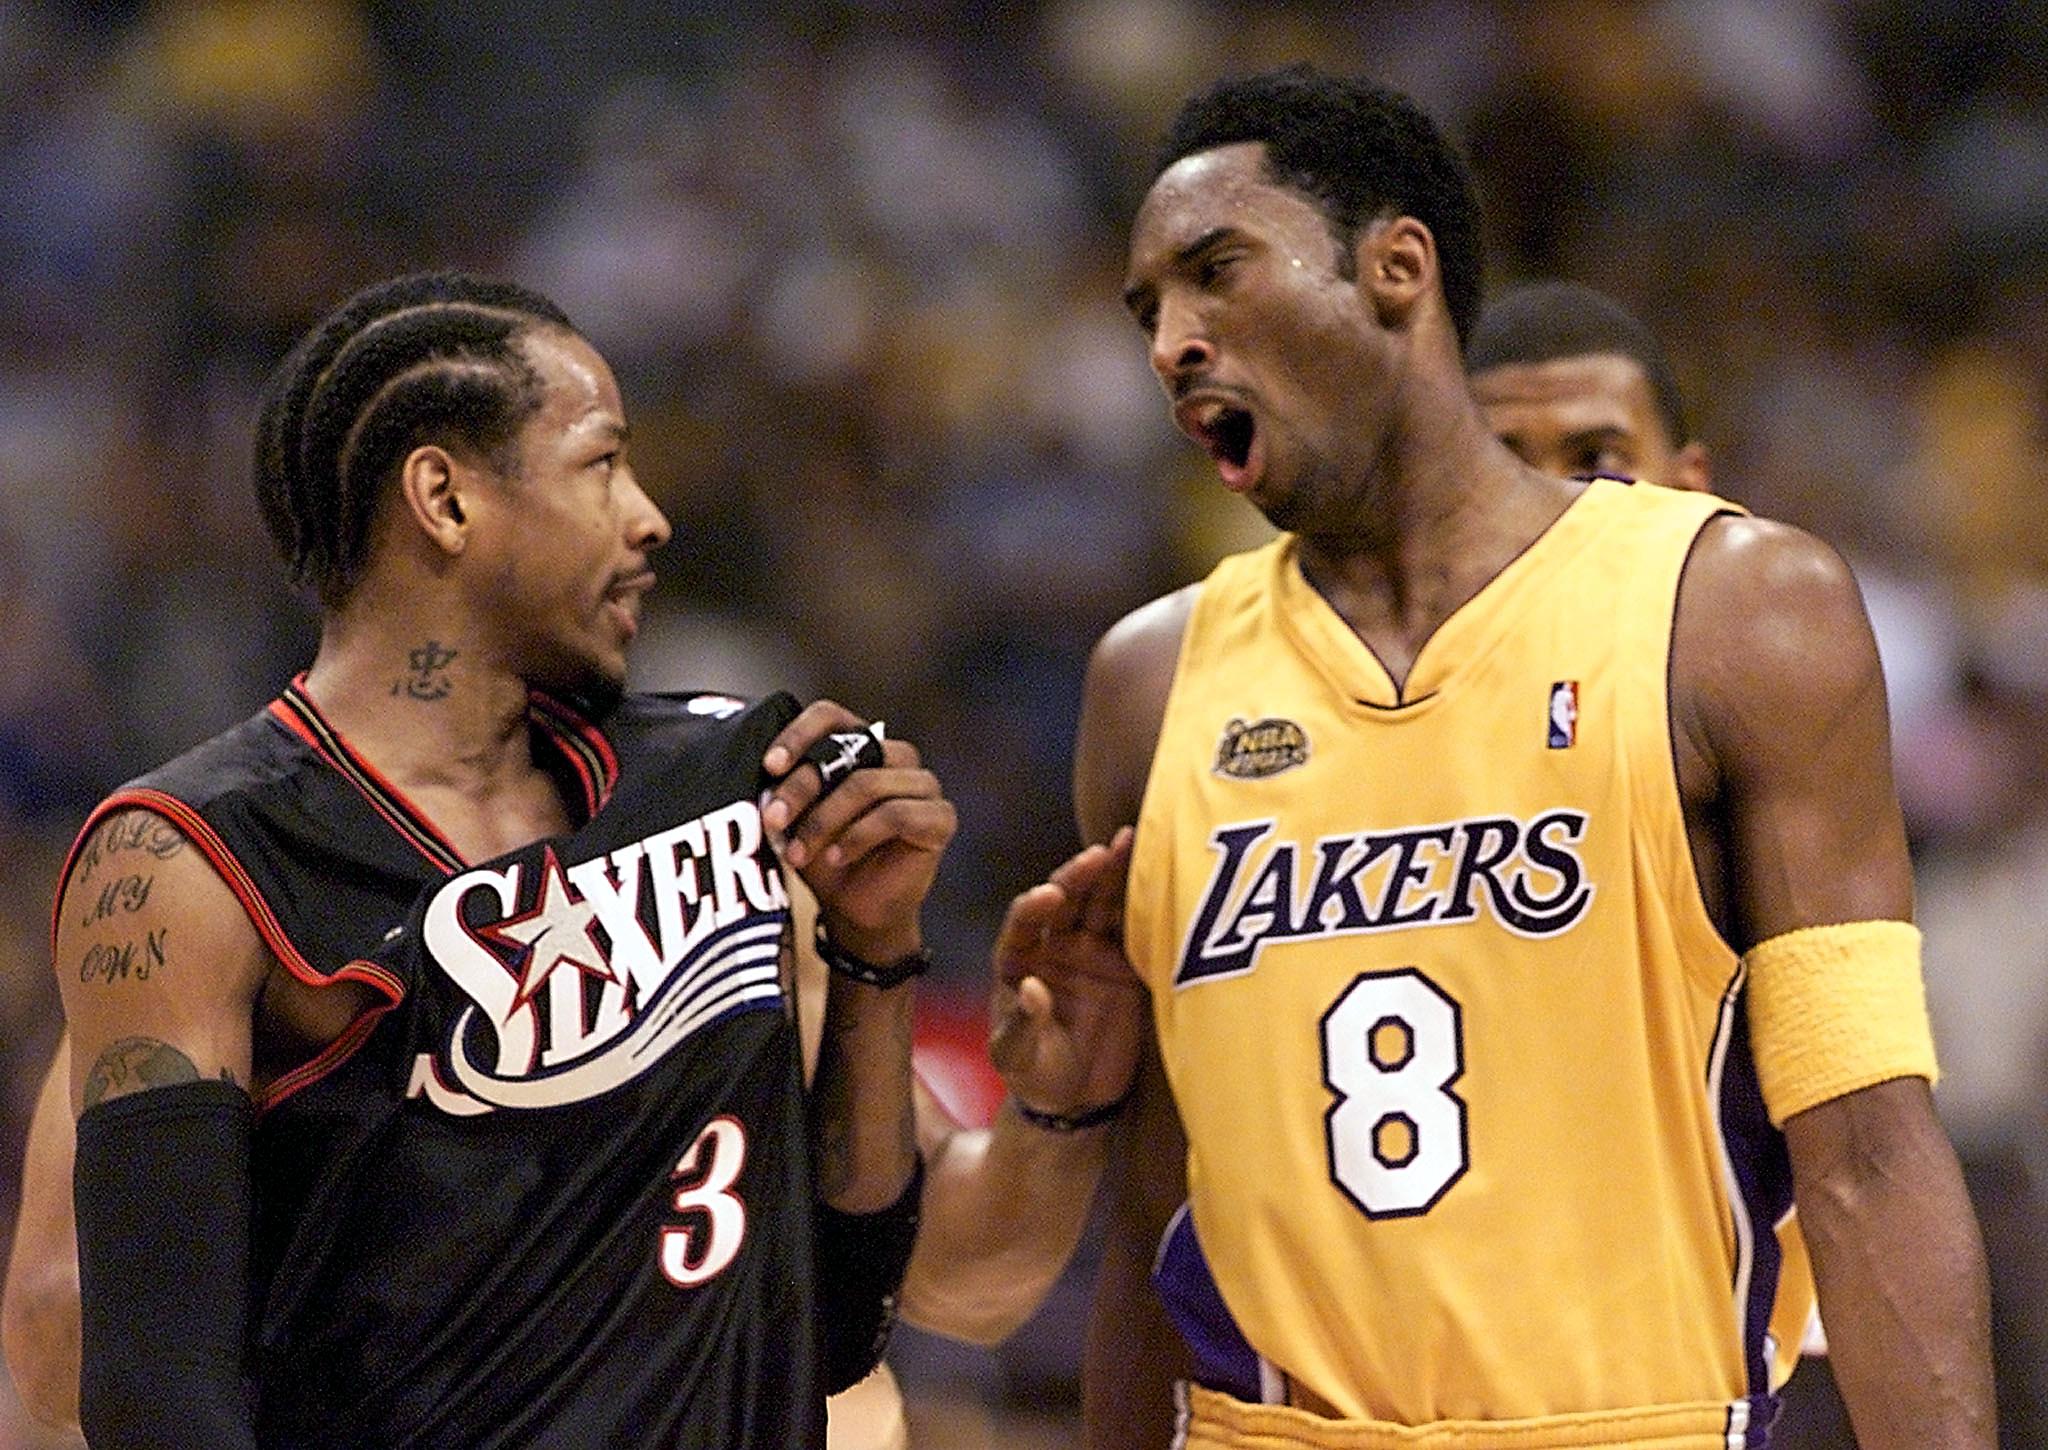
(426, 676)
(135, 1064)
(122, 894)
(833, 1132)
(111, 962)
(130, 831)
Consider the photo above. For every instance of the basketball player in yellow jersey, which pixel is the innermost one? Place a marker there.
(1518, 882)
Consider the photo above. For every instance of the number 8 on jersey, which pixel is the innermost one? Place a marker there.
(1392, 1047)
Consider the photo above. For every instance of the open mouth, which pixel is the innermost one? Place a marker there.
(623, 599)
(1227, 432)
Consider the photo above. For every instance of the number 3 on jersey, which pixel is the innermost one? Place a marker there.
(700, 1249)
(1392, 1046)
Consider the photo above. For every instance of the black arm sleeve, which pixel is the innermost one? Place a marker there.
(861, 1262)
(163, 1192)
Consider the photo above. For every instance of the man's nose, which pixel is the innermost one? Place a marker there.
(1180, 344)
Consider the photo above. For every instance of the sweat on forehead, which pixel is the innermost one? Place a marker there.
(1359, 149)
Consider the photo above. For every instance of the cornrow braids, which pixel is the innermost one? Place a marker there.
(432, 356)
(1360, 150)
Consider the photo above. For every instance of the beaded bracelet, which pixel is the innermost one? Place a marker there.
(1069, 1122)
(883, 975)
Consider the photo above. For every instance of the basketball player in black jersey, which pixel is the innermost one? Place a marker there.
(1002, 1204)
(435, 1086)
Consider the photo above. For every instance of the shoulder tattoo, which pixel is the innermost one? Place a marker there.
(129, 833)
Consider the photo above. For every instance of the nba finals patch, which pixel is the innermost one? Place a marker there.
(1564, 714)
(1259, 749)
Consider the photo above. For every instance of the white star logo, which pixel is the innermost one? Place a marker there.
(559, 929)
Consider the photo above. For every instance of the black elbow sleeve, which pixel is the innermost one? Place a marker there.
(861, 1259)
(163, 1193)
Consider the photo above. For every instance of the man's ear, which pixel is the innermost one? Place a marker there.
(431, 485)
(1397, 267)
(1691, 469)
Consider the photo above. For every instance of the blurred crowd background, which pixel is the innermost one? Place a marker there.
(856, 265)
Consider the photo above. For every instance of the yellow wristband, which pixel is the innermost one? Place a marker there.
(1836, 1008)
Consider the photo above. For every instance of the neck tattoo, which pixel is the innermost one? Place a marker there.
(426, 676)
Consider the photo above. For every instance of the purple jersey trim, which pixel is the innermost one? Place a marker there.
(1224, 1358)
(1762, 1168)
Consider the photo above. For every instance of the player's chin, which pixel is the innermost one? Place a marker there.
(593, 674)
(1285, 509)
(620, 618)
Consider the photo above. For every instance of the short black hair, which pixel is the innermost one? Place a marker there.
(1360, 150)
(1543, 321)
(429, 357)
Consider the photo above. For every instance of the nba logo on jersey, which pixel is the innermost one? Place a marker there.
(1564, 714)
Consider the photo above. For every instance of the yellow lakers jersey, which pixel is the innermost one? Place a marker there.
(1473, 1131)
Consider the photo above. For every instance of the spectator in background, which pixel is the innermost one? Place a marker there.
(1577, 386)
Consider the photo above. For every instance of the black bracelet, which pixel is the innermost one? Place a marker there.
(885, 975)
(1075, 1122)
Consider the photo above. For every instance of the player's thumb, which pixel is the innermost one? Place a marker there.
(1010, 1043)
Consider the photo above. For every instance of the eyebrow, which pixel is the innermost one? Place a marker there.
(1137, 293)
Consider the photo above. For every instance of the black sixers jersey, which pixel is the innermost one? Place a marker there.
(554, 1189)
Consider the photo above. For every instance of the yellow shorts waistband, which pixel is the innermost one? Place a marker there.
(1212, 1421)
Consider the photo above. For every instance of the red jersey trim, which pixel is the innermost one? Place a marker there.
(297, 712)
(268, 927)
(230, 870)
(333, 1055)
(582, 744)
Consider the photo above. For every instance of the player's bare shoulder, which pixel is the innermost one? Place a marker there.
(1122, 705)
(1148, 638)
(148, 934)
(135, 880)
(1771, 644)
